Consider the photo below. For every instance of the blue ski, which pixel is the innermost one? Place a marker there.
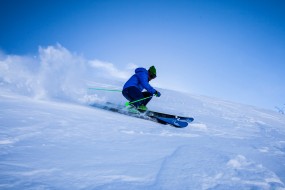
(165, 115)
(163, 118)
(173, 121)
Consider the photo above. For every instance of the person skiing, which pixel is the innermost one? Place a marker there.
(133, 88)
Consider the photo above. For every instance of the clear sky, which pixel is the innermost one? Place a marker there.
(230, 49)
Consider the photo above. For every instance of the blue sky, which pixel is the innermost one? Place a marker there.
(230, 49)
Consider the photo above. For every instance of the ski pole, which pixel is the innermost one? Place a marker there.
(104, 89)
(128, 103)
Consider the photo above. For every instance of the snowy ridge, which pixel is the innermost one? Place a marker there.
(51, 139)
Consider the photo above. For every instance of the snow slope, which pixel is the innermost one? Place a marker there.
(51, 139)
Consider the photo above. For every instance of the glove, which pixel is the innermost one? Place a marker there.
(157, 94)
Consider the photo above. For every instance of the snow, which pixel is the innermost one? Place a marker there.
(52, 139)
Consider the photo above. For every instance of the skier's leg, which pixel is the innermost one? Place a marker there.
(125, 93)
(146, 94)
(132, 93)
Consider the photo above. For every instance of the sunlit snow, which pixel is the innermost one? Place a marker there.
(50, 138)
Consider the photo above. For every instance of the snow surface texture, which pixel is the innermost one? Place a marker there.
(51, 139)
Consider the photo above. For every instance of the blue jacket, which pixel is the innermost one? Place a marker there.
(140, 80)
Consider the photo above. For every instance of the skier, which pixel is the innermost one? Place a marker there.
(133, 88)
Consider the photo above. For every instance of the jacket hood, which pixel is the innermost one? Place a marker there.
(140, 70)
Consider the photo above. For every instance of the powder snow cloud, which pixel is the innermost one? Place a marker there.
(55, 72)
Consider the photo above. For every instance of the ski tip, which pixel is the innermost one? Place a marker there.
(191, 119)
(174, 122)
(182, 125)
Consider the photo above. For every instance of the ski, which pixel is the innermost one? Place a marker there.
(159, 114)
(174, 122)
(162, 118)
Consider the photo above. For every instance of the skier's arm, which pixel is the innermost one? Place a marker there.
(146, 85)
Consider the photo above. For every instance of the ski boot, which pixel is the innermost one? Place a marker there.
(142, 108)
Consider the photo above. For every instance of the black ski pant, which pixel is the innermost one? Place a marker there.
(132, 93)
